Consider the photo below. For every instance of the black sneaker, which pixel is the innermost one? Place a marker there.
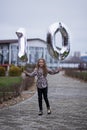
(40, 113)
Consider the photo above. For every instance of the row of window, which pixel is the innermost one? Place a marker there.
(9, 54)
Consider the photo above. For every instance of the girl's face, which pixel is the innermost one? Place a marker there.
(41, 63)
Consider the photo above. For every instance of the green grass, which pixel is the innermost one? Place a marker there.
(8, 85)
(8, 81)
(11, 87)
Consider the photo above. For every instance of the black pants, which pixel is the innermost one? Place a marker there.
(44, 92)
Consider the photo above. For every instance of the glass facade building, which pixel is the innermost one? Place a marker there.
(4, 54)
(37, 48)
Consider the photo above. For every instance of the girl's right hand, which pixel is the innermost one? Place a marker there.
(25, 72)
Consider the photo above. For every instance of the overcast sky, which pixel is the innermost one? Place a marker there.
(37, 15)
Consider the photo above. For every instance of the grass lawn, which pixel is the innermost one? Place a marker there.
(7, 84)
(8, 81)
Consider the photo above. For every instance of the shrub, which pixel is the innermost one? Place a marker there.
(28, 82)
(77, 74)
(14, 71)
(2, 71)
(10, 87)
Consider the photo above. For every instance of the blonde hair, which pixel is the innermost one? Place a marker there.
(44, 66)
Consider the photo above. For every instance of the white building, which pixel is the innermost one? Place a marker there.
(37, 48)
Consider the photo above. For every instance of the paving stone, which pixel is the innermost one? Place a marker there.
(68, 100)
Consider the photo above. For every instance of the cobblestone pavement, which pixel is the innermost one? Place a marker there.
(68, 100)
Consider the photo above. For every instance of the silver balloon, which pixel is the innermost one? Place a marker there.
(55, 51)
(22, 54)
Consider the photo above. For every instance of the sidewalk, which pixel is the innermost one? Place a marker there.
(68, 100)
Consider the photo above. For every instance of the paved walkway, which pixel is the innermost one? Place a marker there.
(68, 100)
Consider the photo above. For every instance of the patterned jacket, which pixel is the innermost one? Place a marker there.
(41, 79)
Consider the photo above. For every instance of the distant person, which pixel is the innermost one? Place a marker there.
(41, 72)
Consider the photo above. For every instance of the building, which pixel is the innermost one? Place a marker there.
(84, 57)
(37, 48)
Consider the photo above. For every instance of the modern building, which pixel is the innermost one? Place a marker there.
(37, 48)
(84, 57)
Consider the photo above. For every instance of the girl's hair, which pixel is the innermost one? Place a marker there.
(44, 67)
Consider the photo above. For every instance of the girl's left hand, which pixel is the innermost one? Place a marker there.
(59, 69)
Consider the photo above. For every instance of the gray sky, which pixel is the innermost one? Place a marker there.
(37, 15)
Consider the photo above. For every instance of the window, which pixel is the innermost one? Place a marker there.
(35, 54)
(4, 58)
(14, 54)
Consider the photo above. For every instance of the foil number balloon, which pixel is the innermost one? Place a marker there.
(55, 51)
(22, 54)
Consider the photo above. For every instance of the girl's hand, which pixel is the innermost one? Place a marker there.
(23, 75)
(25, 72)
(59, 69)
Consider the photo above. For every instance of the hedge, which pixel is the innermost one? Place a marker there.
(2, 71)
(14, 71)
(9, 87)
(77, 74)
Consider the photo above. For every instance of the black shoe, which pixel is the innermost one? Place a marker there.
(40, 113)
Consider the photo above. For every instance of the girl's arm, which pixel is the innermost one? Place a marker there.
(54, 71)
(32, 74)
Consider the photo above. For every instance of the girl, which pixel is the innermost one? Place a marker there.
(41, 72)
